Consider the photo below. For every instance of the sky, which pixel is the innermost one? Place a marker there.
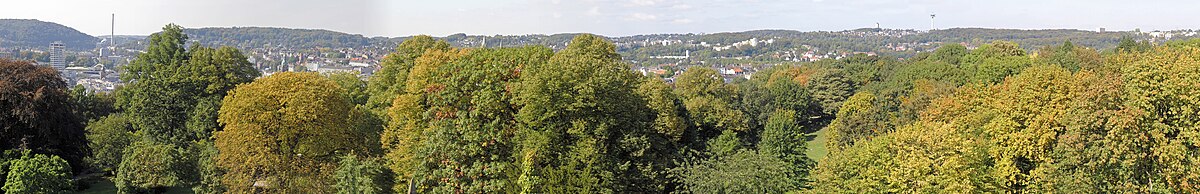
(393, 18)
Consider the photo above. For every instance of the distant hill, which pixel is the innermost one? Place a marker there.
(1029, 39)
(759, 46)
(29, 33)
(267, 37)
(774, 45)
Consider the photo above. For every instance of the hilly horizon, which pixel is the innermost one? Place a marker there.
(15, 33)
(36, 33)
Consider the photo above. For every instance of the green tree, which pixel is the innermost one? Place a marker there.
(991, 63)
(361, 176)
(669, 112)
(710, 106)
(202, 119)
(468, 145)
(923, 93)
(384, 86)
(1069, 56)
(900, 83)
(950, 53)
(148, 167)
(996, 49)
(37, 173)
(402, 137)
(366, 123)
(756, 100)
(90, 106)
(208, 171)
(860, 118)
(1092, 153)
(1128, 44)
(1020, 122)
(168, 81)
(1161, 87)
(994, 70)
(583, 126)
(918, 158)
(728, 143)
(108, 138)
(829, 88)
(742, 172)
(217, 70)
(1041, 128)
(792, 97)
(172, 96)
(156, 111)
(164, 51)
(283, 133)
(355, 87)
(783, 137)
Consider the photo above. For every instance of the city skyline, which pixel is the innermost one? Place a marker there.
(606, 17)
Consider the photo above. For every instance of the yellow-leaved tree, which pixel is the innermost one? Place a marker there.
(284, 133)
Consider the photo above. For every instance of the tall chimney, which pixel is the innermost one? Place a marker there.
(112, 36)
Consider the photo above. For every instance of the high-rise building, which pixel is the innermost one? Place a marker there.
(58, 55)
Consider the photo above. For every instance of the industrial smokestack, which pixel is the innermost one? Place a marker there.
(112, 36)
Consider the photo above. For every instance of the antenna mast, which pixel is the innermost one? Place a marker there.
(931, 22)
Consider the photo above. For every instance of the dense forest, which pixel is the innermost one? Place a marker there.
(444, 119)
(28, 33)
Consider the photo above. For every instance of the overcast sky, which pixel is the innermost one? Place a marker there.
(604, 17)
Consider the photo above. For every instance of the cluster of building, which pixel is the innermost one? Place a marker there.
(1168, 35)
(271, 61)
(728, 73)
(807, 53)
(99, 77)
(752, 42)
(879, 32)
(100, 73)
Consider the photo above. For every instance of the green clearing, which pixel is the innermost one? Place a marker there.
(816, 145)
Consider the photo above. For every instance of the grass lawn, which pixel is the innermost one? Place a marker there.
(816, 145)
(107, 187)
(101, 187)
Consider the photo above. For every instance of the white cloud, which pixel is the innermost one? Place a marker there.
(594, 11)
(644, 2)
(682, 21)
(643, 17)
(681, 7)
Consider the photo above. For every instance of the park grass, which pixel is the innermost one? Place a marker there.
(105, 186)
(816, 145)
